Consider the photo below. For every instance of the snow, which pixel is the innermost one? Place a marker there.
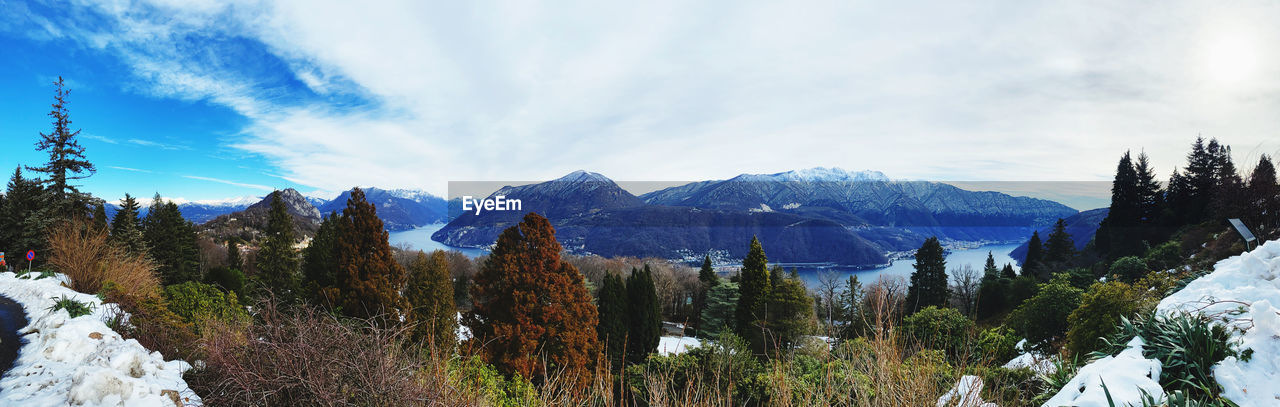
(463, 333)
(80, 361)
(1035, 361)
(675, 345)
(966, 393)
(1126, 375)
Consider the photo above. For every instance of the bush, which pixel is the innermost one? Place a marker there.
(1100, 311)
(1022, 289)
(197, 303)
(998, 344)
(1043, 318)
(230, 279)
(147, 319)
(1187, 346)
(938, 328)
(482, 381)
(1165, 256)
(84, 254)
(1080, 277)
(73, 307)
(1128, 269)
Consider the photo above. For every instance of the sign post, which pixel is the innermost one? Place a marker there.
(1244, 232)
(31, 255)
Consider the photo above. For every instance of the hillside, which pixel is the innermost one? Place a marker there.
(248, 223)
(399, 209)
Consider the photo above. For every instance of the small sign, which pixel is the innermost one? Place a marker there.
(1244, 231)
(31, 255)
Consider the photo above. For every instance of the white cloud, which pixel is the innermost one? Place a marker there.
(223, 181)
(681, 90)
(162, 146)
(129, 169)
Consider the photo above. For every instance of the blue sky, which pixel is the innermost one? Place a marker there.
(207, 100)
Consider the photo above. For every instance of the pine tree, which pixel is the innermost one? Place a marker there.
(753, 295)
(100, 216)
(23, 219)
(991, 291)
(320, 260)
(430, 294)
(1120, 234)
(851, 310)
(718, 316)
(1228, 194)
(1150, 201)
(706, 280)
(368, 277)
(790, 312)
(171, 241)
(1059, 249)
(126, 227)
(612, 329)
(1032, 265)
(233, 255)
(277, 262)
(1264, 196)
(532, 313)
(644, 317)
(1200, 181)
(929, 280)
(66, 160)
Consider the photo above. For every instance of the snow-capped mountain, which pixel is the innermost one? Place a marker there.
(198, 211)
(399, 209)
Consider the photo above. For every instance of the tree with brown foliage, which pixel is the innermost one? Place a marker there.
(368, 277)
(532, 313)
(430, 294)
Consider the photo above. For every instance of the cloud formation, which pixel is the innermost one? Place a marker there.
(412, 94)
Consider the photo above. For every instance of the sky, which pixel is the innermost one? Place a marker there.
(205, 100)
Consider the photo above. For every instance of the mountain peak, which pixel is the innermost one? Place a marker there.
(832, 174)
(583, 176)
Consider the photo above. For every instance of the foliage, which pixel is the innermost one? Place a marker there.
(991, 290)
(612, 330)
(90, 260)
(753, 296)
(718, 315)
(196, 303)
(171, 242)
(1021, 289)
(490, 385)
(73, 307)
(1059, 249)
(929, 280)
(1101, 309)
(1187, 346)
(938, 328)
(230, 279)
(790, 312)
(644, 319)
(277, 261)
(1043, 318)
(126, 227)
(66, 160)
(1128, 269)
(998, 344)
(320, 259)
(532, 313)
(1032, 264)
(1166, 256)
(707, 279)
(430, 296)
(368, 279)
(24, 217)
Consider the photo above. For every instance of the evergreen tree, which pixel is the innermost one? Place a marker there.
(1227, 199)
(790, 312)
(706, 280)
(991, 291)
(1007, 272)
(1032, 265)
(753, 295)
(1200, 180)
(233, 255)
(718, 316)
(644, 317)
(23, 219)
(1264, 197)
(532, 313)
(368, 277)
(171, 241)
(100, 217)
(1119, 234)
(929, 280)
(66, 160)
(853, 314)
(126, 228)
(1059, 249)
(612, 329)
(277, 261)
(1151, 201)
(320, 259)
(430, 294)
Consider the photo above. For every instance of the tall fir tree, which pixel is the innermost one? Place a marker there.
(369, 279)
(706, 280)
(1228, 197)
(790, 313)
(66, 163)
(929, 280)
(171, 241)
(1033, 264)
(532, 313)
(1200, 181)
(320, 260)
(719, 314)
(991, 289)
(1007, 272)
(24, 216)
(1151, 201)
(1059, 249)
(233, 255)
(753, 296)
(612, 329)
(1264, 198)
(644, 317)
(1119, 234)
(430, 294)
(100, 222)
(277, 261)
(126, 227)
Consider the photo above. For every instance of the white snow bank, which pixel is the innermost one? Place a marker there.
(1035, 361)
(1125, 375)
(80, 361)
(966, 393)
(463, 333)
(675, 345)
(1243, 291)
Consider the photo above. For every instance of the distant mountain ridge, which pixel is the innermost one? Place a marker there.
(399, 209)
(249, 223)
(1082, 227)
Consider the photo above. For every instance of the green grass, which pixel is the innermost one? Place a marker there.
(73, 307)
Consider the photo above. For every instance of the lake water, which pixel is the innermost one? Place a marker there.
(420, 239)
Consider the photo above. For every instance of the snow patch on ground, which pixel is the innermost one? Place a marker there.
(463, 333)
(966, 393)
(1126, 375)
(80, 361)
(1035, 361)
(675, 345)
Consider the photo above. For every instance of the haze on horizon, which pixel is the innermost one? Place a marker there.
(206, 100)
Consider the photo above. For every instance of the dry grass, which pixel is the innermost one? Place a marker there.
(86, 255)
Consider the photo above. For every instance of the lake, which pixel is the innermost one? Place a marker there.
(420, 238)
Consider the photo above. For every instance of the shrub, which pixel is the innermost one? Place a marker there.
(197, 303)
(1022, 289)
(85, 255)
(998, 344)
(1187, 346)
(1100, 311)
(1128, 269)
(147, 319)
(1080, 277)
(73, 307)
(938, 328)
(230, 279)
(1043, 318)
(1165, 256)
(482, 381)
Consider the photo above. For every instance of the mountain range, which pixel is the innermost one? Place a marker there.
(820, 215)
(1081, 227)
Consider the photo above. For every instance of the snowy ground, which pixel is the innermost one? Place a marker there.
(675, 345)
(1038, 363)
(1243, 291)
(80, 361)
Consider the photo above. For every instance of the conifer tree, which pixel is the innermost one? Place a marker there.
(233, 255)
(790, 312)
(171, 241)
(1151, 201)
(1264, 196)
(1059, 249)
(1032, 264)
(1119, 233)
(753, 295)
(320, 260)
(66, 160)
(991, 290)
(430, 294)
(706, 280)
(369, 279)
(126, 227)
(532, 313)
(100, 216)
(1228, 194)
(23, 219)
(277, 262)
(1007, 272)
(612, 329)
(929, 280)
(644, 317)
(718, 316)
